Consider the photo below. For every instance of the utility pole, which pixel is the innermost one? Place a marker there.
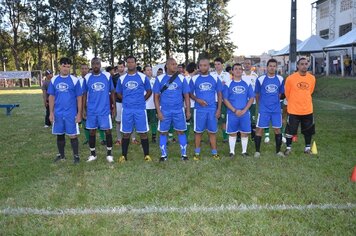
(293, 37)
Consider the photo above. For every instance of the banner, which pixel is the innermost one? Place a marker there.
(15, 74)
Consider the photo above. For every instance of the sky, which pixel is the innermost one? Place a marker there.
(262, 25)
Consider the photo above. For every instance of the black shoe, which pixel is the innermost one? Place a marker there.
(245, 154)
(59, 158)
(103, 142)
(76, 159)
(86, 142)
(154, 139)
(184, 158)
(231, 155)
(163, 159)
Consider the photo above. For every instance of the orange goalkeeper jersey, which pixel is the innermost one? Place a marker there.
(298, 91)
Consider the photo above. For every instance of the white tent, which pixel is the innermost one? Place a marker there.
(312, 44)
(285, 51)
(347, 40)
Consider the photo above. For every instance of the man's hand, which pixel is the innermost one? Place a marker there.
(217, 113)
(187, 114)
(240, 112)
(51, 117)
(201, 102)
(84, 114)
(160, 116)
(78, 118)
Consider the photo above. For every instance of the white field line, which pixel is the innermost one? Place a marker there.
(341, 105)
(159, 210)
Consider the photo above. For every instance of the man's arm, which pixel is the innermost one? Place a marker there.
(187, 106)
(247, 107)
(113, 102)
(51, 107)
(156, 98)
(198, 100)
(84, 105)
(218, 111)
(80, 109)
(148, 94)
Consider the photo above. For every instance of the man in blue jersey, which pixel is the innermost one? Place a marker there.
(204, 88)
(65, 106)
(170, 108)
(131, 88)
(238, 97)
(269, 88)
(98, 92)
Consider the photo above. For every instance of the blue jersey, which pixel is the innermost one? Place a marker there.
(238, 93)
(65, 91)
(132, 88)
(205, 87)
(269, 89)
(98, 88)
(171, 98)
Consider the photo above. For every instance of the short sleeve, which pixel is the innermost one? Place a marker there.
(157, 87)
(51, 89)
(147, 84)
(186, 88)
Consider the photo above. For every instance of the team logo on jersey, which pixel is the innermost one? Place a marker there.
(271, 88)
(63, 87)
(173, 86)
(303, 85)
(239, 89)
(205, 86)
(98, 86)
(131, 85)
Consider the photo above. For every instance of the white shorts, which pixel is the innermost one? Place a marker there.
(118, 112)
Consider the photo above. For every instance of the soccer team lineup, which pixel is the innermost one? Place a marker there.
(179, 99)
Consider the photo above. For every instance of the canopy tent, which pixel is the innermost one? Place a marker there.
(312, 44)
(347, 40)
(285, 51)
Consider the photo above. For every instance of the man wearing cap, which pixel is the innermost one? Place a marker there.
(45, 95)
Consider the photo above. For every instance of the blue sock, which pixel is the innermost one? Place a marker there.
(197, 150)
(183, 144)
(163, 144)
(214, 151)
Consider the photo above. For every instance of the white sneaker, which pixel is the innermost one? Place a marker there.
(92, 158)
(45, 126)
(284, 140)
(267, 140)
(257, 155)
(110, 159)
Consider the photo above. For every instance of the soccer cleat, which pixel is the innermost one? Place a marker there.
(147, 158)
(184, 158)
(245, 154)
(287, 152)
(91, 158)
(76, 159)
(257, 155)
(163, 159)
(154, 140)
(45, 126)
(232, 155)
(110, 159)
(266, 140)
(280, 154)
(122, 159)
(196, 157)
(308, 151)
(59, 158)
(216, 157)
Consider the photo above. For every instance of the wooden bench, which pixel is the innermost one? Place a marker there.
(9, 107)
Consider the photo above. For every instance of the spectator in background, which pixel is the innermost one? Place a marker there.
(347, 65)
(45, 95)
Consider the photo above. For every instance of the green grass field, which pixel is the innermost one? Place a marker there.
(149, 191)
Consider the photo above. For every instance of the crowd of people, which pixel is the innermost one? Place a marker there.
(177, 98)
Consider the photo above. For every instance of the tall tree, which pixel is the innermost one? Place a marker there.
(108, 11)
(149, 35)
(38, 21)
(215, 33)
(169, 10)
